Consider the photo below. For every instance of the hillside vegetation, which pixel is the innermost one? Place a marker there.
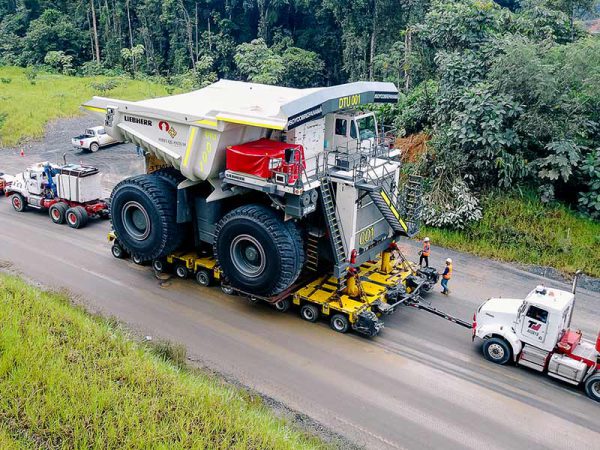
(519, 228)
(72, 381)
(29, 99)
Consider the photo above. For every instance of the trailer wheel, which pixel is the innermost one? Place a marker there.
(339, 323)
(77, 217)
(257, 251)
(94, 147)
(496, 350)
(309, 312)
(181, 271)
(283, 305)
(18, 202)
(592, 387)
(159, 265)
(137, 259)
(203, 278)
(57, 212)
(143, 211)
(117, 251)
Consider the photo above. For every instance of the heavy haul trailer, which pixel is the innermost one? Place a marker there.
(273, 180)
(374, 289)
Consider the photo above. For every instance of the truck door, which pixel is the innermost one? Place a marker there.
(33, 183)
(345, 134)
(534, 324)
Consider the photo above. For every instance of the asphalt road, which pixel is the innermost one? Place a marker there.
(420, 384)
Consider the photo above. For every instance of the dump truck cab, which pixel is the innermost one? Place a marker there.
(260, 172)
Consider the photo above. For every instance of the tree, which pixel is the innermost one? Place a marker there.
(258, 63)
(302, 68)
(53, 30)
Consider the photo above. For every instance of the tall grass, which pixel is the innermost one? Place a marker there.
(518, 228)
(27, 105)
(69, 380)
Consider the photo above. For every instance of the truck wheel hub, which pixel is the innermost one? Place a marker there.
(496, 351)
(596, 388)
(136, 220)
(248, 255)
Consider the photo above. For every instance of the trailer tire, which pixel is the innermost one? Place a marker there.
(137, 259)
(144, 215)
(77, 217)
(592, 387)
(340, 323)
(203, 278)
(181, 271)
(309, 312)
(18, 202)
(159, 265)
(257, 251)
(283, 305)
(496, 350)
(94, 147)
(57, 212)
(117, 251)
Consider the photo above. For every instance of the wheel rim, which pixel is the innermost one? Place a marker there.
(248, 256)
(308, 314)
(338, 324)
(136, 221)
(202, 278)
(72, 218)
(158, 266)
(117, 251)
(280, 305)
(137, 260)
(181, 272)
(496, 351)
(17, 202)
(55, 214)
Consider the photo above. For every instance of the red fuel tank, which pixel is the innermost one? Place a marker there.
(598, 342)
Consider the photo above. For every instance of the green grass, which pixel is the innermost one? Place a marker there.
(70, 380)
(519, 228)
(26, 108)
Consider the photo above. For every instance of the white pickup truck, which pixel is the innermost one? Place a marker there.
(93, 139)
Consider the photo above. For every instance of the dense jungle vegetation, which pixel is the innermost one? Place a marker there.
(506, 93)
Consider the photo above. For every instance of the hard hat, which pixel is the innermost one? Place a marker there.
(426, 239)
(449, 261)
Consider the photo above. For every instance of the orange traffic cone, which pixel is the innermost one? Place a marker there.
(22, 152)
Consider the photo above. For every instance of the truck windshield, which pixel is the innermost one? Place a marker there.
(366, 127)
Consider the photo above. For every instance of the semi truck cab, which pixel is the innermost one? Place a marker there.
(534, 332)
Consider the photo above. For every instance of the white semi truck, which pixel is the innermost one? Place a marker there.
(70, 193)
(274, 182)
(535, 332)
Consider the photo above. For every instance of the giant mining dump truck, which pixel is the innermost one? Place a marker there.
(290, 191)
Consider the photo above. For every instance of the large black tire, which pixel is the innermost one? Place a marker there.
(18, 202)
(77, 217)
(94, 147)
(496, 350)
(143, 212)
(57, 212)
(592, 387)
(257, 251)
(170, 174)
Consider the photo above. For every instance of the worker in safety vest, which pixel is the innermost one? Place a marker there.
(446, 276)
(425, 253)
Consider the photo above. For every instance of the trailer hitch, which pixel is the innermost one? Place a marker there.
(417, 302)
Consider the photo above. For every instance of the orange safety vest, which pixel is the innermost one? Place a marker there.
(426, 248)
(448, 272)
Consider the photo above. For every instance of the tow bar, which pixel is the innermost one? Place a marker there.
(416, 302)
